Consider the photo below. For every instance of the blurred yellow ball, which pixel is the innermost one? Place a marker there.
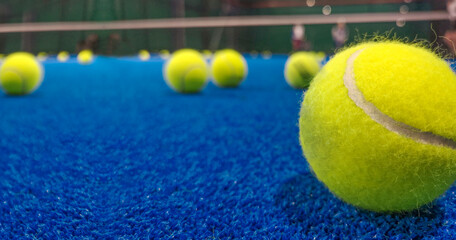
(63, 56)
(266, 54)
(144, 55)
(20, 74)
(229, 68)
(186, 71)
(164, 54)
(207, 54)
(85, 57)
(42, 56)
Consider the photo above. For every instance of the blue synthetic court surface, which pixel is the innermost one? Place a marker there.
(108, 151)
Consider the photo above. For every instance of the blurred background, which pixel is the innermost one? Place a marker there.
(278, 26)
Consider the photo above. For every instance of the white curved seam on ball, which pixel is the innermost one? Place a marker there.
(182, 79)
(386, 121)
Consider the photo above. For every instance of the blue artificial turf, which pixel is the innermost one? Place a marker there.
(107, 151)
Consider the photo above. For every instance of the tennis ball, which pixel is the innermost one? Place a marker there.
(320, 55)
(63, 56)
(20, 74)
(229, 68)
(266, 54)
(164, 54)
(378, 126)
(186, 71)
(207, 54)
(41, 56)
(85, 57)
(144, 55)
(300, 69)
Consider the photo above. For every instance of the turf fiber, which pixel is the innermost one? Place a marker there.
(107, 151)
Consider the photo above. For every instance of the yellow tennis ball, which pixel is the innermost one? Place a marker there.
(41, 56)
(85, 57)
(144, 55)
(20, 74)
(164, 54)
(320, 55)
(300, 69)
(63, 56)
(229, 68)
(207, 54)
(186, 71)
(378, 126)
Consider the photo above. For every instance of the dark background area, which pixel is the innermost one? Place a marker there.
(272, 38)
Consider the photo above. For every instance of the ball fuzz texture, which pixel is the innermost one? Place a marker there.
(377, 126)
(229, 68)
(20, 74)
(186, 71)
(300, 69)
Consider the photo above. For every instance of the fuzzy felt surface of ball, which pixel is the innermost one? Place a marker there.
(377, 126)
(229, 68)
